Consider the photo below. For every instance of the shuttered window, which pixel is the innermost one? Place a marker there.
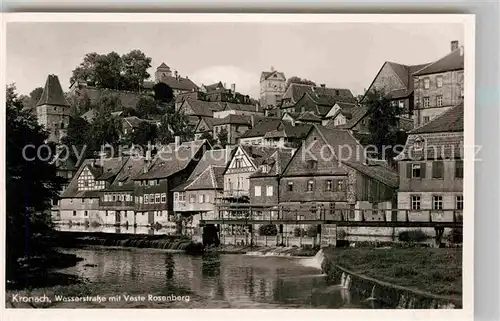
(437, 169)
(415, 170)
(459, 169)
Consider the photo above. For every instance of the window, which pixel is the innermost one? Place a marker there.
(86, 213)
(201, 198)
(426, 119)
(439, 100)
(290, 186)
(437, 169)
(459, 169)
(120, 197)
(207, 198)
(394, 103)
(157, 198)
(140, 199)
(437, 202)
(426, 102)
(415, 202)
(340, 185)
(124, 213)
(329, 185)
(163, 197)
(332, 208)
(269, 190)
(120, 183)
(176, 197)
(54, 201)
(113, 197)
(158, 182)
(427, 83)
(257, 191)
(416, 171)
(136, 199)
(312, 164)
(310, 185)
(418, 144)
(401, 104)
(152, 182)
(459, 202)
(192, 199)
(107, 213)
(74, 213)
(439, 82)
(146, 198)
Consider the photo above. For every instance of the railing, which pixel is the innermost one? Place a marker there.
(236, 193)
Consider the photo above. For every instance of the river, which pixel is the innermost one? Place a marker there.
(176, 280)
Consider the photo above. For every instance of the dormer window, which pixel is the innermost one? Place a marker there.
(312, 164)
(418, 144)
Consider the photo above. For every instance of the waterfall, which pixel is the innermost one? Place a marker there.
(347, 284)
(314, 261)
(342, 279)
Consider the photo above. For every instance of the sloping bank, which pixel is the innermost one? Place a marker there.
(168, 242)
(411, 278)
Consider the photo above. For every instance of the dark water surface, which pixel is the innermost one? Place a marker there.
(215, 281)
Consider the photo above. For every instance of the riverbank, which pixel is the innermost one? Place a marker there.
(434, 271)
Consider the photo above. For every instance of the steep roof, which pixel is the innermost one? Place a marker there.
(52, 93)
(259, 154)
(233, 119)
(124, 180)
(240, 107)
(452, 61)
(211, 178)
(204, 108)
(451, 120)
(171, 159)
(381, 173)
(213, 87)
(163, 66)
(321, 95)
(262, 127)
(101, 169)
(213, 157)
(267, 74)
(305, 116)
(179, 83)
(278, 161)
(353, 116)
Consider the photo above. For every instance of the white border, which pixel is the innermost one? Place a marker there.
(251, 314)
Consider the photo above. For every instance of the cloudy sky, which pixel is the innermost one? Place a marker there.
(338, 55)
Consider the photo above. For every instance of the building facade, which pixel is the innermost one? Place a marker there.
(439, 86)
(272, 88)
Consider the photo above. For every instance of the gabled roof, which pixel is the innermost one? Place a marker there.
(124, 180)
(381, 173)
(233, 119)
(321, 95)
(211, 178)
(171, 159)
(277, 161)
(52, 93)
(204, 108)
(213, 87)
(451, 120)
(305, 116)
(163, 66)
(353, 116)
(262, 127)
(215, 157)
(258, 154)
(240, 107)
(452, 61)
(101, 169)
(267, 74)
(179, 83)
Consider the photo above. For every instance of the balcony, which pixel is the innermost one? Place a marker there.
(236, 193)
(184, 206)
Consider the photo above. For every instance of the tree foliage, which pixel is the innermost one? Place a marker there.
(143, 135)
(268, 230)
(222, 137)
(31, 182)
(208, 135)
(298, 80)
(147, 107)
(126, 72)
(383, 124)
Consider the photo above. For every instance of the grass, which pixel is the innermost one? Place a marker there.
(434, 270)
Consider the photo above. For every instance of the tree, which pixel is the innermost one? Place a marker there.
(108, 103)
(209, 137)
(77, 136)
(147, 107)
(222, 137)
(31, 184)
(383, 124)
(174, 123)
(126, 72)
(135, 66)
(144, 134)
(80, 104)
(268, 230)
(298, 80)
(163, 93)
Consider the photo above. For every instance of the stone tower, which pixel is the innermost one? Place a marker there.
(162, 71)
(53, 109)
(272, 88)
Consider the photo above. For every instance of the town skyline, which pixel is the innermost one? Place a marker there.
(280, 46)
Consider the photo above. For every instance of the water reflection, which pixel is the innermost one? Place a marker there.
(215, 281)
(115, 229)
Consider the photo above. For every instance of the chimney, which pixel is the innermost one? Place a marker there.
(224, 84)
(176, 75)
(454, 45)
(323, 86)
(272, 68)
(461, 50)
(233, 88)
(147, 161)
(177, 141)
(252, 118)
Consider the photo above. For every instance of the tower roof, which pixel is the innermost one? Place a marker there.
(163, 66)
(53, 93)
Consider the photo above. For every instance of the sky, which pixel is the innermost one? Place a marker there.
(339, 55)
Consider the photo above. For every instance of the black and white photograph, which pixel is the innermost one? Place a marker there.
(316, 162)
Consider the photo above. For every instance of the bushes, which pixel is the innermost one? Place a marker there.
(455, 236)
(298, 231)
(268, 230)
(312, 230)
(412, 236)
